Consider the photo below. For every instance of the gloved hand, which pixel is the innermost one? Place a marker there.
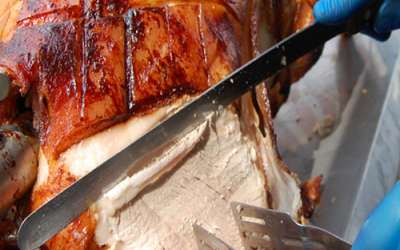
(381, 230)
(336, 11)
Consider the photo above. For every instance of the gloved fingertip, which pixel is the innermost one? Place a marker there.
(381, 230)
(398, 245)
(370, 31)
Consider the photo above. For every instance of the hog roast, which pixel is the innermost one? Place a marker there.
(91, 76)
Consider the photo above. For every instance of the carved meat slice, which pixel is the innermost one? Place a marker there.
(99, 73)
(226, 165)
(226, 159)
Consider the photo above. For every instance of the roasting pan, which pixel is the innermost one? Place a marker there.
(355, 85)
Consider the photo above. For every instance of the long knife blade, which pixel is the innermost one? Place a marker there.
(56, 214)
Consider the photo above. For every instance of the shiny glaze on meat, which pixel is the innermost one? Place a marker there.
(84, 77)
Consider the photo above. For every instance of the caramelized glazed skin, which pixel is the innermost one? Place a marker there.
(168, 46)
(310, 195)
(88, 70)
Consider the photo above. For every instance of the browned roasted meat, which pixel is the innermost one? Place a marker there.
(7, 231)
(84, 77)
(310, 195)
(99, 73)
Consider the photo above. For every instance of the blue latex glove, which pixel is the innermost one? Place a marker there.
(336, 11)
(381, 230)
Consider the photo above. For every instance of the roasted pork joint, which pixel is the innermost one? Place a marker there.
(98, 74)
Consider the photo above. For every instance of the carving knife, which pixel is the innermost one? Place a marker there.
(56, 214)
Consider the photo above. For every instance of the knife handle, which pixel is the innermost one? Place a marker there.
(357, 22)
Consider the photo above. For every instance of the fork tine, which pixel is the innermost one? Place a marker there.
(252, 232)
(262, 228)
(261, 220)
(250, 240)
(207, 241)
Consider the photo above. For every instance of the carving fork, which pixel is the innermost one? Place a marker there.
(266, 229)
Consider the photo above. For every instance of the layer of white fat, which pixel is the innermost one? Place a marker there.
(223, 167)
(91, 152)
(127, 189)
(282, 187)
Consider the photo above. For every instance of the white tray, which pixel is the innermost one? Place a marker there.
(357, 80)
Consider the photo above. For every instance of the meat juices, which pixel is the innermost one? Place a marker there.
(98, 74)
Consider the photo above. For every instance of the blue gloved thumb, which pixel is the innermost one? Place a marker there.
(381, 230)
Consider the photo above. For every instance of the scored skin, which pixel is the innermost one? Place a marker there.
(51, 11)
(22, 59)
(210, 58)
